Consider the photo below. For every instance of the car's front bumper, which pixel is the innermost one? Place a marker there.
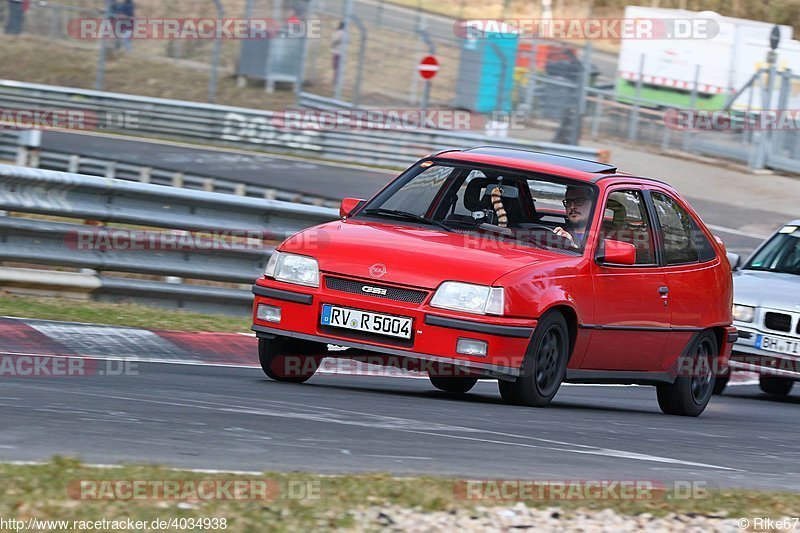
(435, 333)
(748, 357)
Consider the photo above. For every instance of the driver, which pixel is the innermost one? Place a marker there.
(578, 205)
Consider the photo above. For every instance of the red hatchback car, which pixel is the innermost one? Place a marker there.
(528, 268)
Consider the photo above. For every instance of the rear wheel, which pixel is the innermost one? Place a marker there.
(289, 360)
(775, 386)
(455, 385)
(543, 367)
(689, 395)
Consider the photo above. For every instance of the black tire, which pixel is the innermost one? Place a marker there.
(775, 386)
(288, 360)
(454, 385)
(543, 367)
(689, 395)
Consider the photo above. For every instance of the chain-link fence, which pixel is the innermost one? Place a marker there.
(367, 53)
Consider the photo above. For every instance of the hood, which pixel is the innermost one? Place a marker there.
(406, 255)
(767, 289)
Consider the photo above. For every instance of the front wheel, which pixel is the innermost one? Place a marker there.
(775, 386)
(288, 360)
(689, 395)
(543, 367)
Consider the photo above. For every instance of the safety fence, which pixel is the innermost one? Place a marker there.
(254, 129)
(180, 248)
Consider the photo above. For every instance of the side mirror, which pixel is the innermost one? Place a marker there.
(349, 205)
(618, 253)
(735, 260)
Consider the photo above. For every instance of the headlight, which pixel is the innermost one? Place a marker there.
(743, 313)
(470, 298)
(293, 268)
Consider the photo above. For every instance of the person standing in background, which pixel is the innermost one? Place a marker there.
(122, 15)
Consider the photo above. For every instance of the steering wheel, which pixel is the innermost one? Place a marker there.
(564, 240)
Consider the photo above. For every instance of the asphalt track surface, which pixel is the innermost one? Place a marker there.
(237, 419)
(332, 180)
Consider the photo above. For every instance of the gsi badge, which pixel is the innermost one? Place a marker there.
(374, 290)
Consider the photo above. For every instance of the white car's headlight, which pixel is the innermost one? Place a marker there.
(293, 268)
(470, 298)
(743, 313)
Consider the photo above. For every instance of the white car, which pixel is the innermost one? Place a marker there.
(766, 312)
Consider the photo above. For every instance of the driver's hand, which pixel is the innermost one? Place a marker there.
(561, 232)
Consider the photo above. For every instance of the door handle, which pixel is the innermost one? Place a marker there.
(663, 291)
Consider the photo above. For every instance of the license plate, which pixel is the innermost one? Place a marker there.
(774, 344)
(366, 321)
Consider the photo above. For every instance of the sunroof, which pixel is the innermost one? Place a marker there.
(574, 163)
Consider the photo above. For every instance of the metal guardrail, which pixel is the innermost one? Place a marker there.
(250, 128)
(231, 236)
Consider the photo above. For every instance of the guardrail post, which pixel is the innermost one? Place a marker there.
(215, 55)
(270, 194)
(598, 112)
(362, 48)
(145, 174)
(240, 189)
(687, 135)
(29, 142)
(101, 61)
(74, 165)
(177, 180)
(208, 184)
(633, 125)
(111, 170)
(760, 159)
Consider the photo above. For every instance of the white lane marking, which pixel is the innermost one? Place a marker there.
(171, 469)
(99, 340)
(400, 457)
(406, 425)
(737, 232)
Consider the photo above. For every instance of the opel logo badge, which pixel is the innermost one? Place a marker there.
(378, 270)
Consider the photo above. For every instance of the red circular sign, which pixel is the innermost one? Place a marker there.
(428, 67)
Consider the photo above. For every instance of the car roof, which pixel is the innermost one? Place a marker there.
(548, 163)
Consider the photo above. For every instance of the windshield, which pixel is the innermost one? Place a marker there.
(780, 254)
(528, 209)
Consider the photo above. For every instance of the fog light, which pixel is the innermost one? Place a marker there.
(471, 347)
(269, 313)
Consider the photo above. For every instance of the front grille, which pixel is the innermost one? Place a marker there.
(778, 321)
(392, 293)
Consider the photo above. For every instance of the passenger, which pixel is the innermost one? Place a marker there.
(578, 205)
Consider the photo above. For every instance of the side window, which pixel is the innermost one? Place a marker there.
(682, 237)
(625, 219)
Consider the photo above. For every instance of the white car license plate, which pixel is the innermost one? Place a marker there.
(341, 317)
(773, 344)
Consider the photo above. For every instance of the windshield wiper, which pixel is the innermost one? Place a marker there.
(406, 216)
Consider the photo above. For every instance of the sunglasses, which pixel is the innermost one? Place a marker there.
(577, 202)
